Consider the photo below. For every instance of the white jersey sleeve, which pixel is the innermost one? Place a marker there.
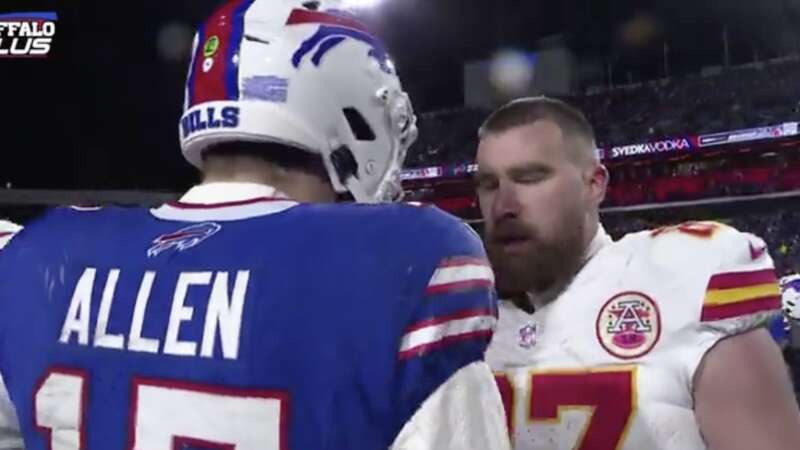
(446, 420)
(10, 436)
(7, 231)
(741, 292)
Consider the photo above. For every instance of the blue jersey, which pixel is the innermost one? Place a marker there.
(307, 327)
(779, 329)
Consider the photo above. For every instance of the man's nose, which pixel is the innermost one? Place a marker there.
(506, 202)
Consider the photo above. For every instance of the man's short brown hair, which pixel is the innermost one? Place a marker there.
(524, 111)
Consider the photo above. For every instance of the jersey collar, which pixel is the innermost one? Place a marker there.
(601, 240)
(225, 201)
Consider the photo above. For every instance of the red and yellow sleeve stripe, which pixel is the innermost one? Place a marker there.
(735, 294)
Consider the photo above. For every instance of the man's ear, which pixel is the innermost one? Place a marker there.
(597, 181)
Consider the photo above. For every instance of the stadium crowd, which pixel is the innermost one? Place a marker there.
(753, 95)
(720, 176)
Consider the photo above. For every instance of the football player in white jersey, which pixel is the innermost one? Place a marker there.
(656, 341)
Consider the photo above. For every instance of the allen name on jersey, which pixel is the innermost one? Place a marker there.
(225, 300)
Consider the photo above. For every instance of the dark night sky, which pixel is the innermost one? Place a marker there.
(102, 111)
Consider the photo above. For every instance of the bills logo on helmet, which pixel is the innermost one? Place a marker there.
(629, 325)
(183, 239)
(333, 30)
(208, 119)
(27, 34)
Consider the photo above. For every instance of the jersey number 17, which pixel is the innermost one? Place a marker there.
(165, 415)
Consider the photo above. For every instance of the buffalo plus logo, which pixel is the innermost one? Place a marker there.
(629, 325)
(183, 239)
(208, 119)
(27, 34)
(328, 37)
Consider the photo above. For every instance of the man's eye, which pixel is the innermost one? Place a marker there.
(530, 177)
(486, 184)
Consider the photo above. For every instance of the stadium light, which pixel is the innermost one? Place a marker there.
(359, 4)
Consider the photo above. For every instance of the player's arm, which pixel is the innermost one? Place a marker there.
(742, 392)
(464, 413)
(10, 436)
(743, 396)
(450, 392)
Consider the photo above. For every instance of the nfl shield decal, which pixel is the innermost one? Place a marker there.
(629, 325)
(527, 335)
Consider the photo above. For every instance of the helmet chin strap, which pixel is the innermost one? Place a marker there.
(346, 167)
(359, 194)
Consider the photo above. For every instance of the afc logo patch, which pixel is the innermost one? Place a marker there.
(629, 325)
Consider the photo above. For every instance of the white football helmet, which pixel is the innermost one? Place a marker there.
(267, 71)
(790, 297)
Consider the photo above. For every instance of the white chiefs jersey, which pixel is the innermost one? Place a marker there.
(610, 363)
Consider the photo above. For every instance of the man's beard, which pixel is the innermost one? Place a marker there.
(541, 265)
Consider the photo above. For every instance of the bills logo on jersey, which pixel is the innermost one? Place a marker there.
(183, 239)
(629, 325)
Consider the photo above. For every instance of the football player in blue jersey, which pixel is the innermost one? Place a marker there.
(779, 328)
(790, 297)
(255, 313)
